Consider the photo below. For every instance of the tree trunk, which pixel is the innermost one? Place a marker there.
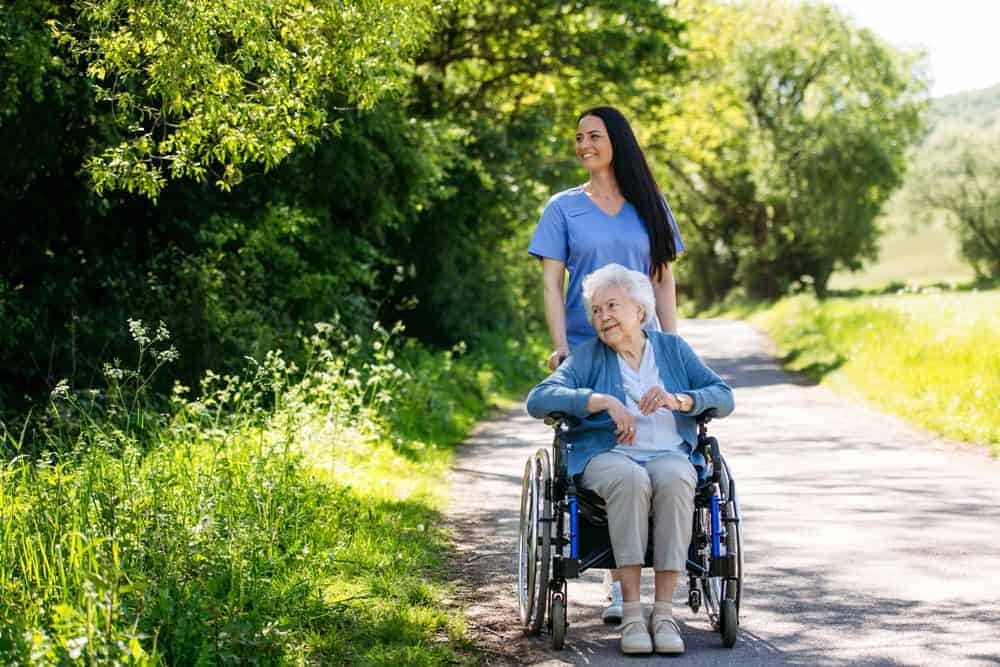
(763, 282)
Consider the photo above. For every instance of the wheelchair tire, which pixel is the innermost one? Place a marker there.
(735, 589)
(728, 622)
(534, 547)
(721, 592)
(557, 616)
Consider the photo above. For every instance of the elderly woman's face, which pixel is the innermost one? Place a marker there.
(615, 315)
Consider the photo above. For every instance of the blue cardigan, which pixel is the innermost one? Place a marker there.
(593, 367)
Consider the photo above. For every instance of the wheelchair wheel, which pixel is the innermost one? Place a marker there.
(728, 622)
(557, 616)
(735, 539)
(722, 595)
(534, 549)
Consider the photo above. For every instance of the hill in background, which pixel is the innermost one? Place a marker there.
(913, 253)
(971, 108)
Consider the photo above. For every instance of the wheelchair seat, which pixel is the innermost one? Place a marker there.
(591, 506)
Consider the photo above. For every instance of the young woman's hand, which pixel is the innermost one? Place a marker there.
(557, 357)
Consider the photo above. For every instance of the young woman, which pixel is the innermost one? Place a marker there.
(619, 216)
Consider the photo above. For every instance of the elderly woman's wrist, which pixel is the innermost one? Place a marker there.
(598, 402)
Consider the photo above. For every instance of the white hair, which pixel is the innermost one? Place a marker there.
(635, 284)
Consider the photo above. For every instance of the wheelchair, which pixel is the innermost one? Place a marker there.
(557, 515)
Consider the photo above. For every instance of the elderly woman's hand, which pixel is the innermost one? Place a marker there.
(623, 419)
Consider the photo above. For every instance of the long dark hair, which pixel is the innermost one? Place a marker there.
(638, 186)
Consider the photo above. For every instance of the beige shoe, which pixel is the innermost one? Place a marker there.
(635, 638)
(666, 635)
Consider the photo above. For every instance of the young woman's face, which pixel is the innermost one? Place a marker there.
(593, 147)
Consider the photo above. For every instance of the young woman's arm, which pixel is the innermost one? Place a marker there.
(665, 290)
(554, 280)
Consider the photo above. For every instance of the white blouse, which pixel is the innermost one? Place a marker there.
(655, 433)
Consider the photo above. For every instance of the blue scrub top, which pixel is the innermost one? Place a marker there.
(575, 231)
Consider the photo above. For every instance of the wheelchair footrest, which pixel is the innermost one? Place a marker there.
(724, 566)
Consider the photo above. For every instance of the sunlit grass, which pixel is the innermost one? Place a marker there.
(931, 358)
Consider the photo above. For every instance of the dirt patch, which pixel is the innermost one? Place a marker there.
(483, 518)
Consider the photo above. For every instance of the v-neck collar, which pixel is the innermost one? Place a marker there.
(598, 206)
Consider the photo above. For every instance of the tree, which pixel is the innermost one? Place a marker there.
(504, 82)
(231, 273)
(961, 178)
(784, 143)
(201, 89)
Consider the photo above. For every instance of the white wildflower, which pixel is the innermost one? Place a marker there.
(138, 331)
(61, 390)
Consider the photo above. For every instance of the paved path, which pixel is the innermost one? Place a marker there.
(868, 543)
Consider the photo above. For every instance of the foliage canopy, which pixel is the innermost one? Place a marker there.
(784, 142)
(201, 89)
(244, 168)
(963, 182)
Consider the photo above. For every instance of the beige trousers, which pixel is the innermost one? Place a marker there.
(664, 487)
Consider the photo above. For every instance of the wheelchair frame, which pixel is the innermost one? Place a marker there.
(551, 503)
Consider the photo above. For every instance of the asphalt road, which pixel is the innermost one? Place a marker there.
(867, 542)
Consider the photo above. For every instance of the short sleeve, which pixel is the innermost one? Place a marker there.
(550, 240)
(678, 241)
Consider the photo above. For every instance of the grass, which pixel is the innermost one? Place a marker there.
(281, 517)
(911, 255)
(932, 358)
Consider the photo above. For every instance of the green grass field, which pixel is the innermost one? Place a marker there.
(923, 255)
(931, 358)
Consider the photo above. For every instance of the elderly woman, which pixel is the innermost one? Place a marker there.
(636, 394)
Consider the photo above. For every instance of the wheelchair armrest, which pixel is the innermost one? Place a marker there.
(560, 453)
(553, 419)
(706, 416)
(709, 448)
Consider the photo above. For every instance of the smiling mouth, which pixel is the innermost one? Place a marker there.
(588, 155)
(609, 328)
